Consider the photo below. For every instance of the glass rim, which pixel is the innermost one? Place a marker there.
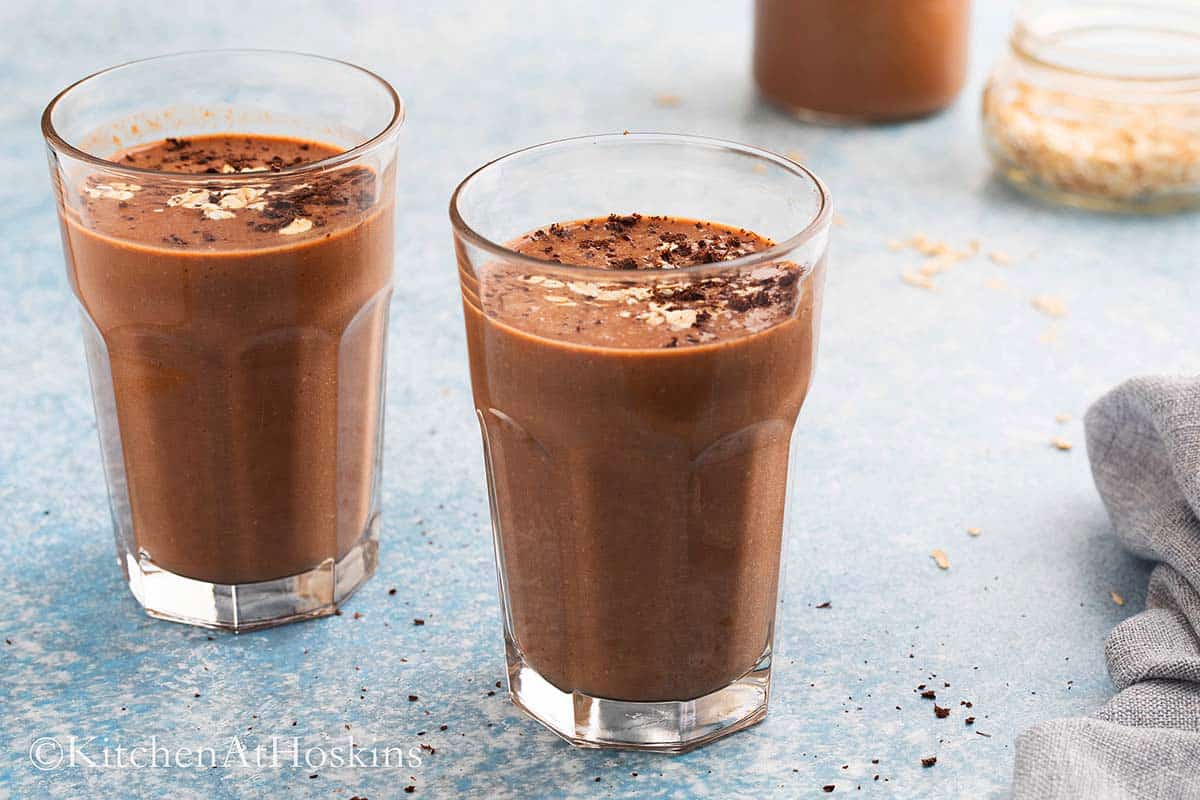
(61, 145)
(819, 220)
(1037, 40)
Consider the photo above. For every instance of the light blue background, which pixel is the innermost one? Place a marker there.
(931, 412)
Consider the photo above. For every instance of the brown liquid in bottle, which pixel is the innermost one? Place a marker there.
(871, 60)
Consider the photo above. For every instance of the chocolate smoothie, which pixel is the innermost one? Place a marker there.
(237, 327)
(637, 443)
(861, 59)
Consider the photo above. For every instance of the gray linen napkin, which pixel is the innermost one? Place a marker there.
(1143, 439)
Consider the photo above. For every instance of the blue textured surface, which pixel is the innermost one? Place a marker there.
(932, 412)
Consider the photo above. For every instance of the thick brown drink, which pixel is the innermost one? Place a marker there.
(861, 59)
(637, 440)
(239, 330)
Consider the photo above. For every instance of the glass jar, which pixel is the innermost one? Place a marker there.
(861, 60)
(1096, 104)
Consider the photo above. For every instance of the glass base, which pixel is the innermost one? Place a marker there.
(247, 606)
(1029, 183)
(673, 726)
(833, 119)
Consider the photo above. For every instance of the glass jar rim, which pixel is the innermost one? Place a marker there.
(1044, 29)
(819, 221)
(61, 145)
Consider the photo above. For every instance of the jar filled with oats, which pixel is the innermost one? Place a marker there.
(1096, 104)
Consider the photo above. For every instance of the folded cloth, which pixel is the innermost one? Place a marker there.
(1143, 440)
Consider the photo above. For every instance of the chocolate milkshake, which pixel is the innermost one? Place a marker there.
(238, 323)
(227, 224)
(637, 439)
(637, 379)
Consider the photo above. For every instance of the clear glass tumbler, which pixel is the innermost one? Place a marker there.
(234, 308)
(639, 491)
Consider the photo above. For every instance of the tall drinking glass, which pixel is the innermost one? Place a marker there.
(641, 315)
(227, 223)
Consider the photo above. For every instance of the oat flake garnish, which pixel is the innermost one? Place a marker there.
(678, 320)
(939, 257)
(240, 198)
(1050, 305)
(112, 191)
(596, 292)
(939, 556)
(765, 273)
(1059, 443)
(974, 531)
(917, 279)
(297, 225)
(192, 198)
(1116, 598)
